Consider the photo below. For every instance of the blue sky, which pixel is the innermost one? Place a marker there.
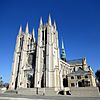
(78, 23)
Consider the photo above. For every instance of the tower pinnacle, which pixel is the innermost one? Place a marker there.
(20, 29)
(49, 20)
(33, 34)
(63, 54)
(27, 30)
(41, 23)
(54, 24)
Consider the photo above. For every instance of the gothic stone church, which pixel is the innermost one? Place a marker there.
(37, 64)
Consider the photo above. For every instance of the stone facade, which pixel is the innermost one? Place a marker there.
(38, 65)
(24, 60)
(47, 57)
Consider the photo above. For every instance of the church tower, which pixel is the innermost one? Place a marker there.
(47, 56)
(23, 61)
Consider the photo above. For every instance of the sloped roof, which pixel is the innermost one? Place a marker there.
(76, 61)
(79, 72)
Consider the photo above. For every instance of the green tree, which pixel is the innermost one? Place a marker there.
(97, 74)
(1, 82)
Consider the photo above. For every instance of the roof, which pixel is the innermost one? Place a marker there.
(80, 71)
(76, 61)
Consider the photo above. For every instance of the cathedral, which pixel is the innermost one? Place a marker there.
(38, 64)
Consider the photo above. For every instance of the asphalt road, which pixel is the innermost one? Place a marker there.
(22, 97)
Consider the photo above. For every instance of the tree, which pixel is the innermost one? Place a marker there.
(1, 82)
(6, 85)
(97, 74)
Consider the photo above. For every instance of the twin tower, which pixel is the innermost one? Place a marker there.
(36, 64)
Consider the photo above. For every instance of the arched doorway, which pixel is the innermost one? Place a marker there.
(79, 84)
(30, 81)
(42, 81)
(65, 82)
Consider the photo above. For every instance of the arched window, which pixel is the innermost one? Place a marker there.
(72, 77)
(86, 76)
(79, 77)
(72, 84)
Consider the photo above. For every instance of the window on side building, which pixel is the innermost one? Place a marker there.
(72, 84)
(72, 77)
(79, 77)
(86, 76)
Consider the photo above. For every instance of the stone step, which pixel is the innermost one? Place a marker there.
(37, 91)
(27, 91)
(11, 91)
(85, 91)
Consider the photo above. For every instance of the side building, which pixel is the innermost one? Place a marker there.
(81, 74)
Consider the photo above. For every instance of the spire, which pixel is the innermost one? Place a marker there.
(62, 45)
(20, 29)
(33, 34)
(41, 23)
(54, 24)
(27, 30)
(49, 20)
(63, 54)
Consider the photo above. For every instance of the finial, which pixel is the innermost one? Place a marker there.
(27, 30)
(41, 23)
(49, 20)
(20, 29)
(54, 24)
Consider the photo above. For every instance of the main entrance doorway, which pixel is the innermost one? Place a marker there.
(65, 82)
